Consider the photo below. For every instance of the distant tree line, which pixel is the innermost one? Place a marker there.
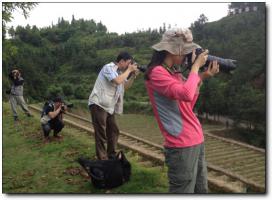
(66, 57)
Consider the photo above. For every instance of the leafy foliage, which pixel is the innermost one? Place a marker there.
(67, 57)
(240, 95)
(8, 8)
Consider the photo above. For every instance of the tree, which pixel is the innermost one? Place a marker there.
(67, 89)
(11, 32)
(197, 26)
(8, 8)
(244, 5)
(73, 20)
(200, 21)
(54, 91)
(101, 27)
(80, 93)
(70, 55)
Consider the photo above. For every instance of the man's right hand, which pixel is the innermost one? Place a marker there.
(121, 78)
(56, 112)
(132, 67)
(58, 107)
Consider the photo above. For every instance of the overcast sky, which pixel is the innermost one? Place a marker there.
(123, 17)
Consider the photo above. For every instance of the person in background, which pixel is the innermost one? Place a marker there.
(106, 99)
(173, 98)
(52, 118)
(16, 93)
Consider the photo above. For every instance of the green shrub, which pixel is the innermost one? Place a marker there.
(67, 89)
(54, 91)
(80, 93)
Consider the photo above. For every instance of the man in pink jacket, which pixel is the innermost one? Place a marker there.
(173, 98)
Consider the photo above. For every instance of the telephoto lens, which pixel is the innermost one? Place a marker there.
(225, 65)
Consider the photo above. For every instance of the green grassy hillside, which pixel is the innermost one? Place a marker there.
(29, 166)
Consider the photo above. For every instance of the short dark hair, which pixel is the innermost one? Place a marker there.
(57, 99)
(125, 56)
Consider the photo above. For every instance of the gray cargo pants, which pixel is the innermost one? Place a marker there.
(187, 169)
(14, 100)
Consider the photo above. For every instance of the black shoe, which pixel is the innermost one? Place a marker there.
(16, 118)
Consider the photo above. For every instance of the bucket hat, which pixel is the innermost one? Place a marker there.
(177, 41)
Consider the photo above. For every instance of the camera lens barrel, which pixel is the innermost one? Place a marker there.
(226, 65)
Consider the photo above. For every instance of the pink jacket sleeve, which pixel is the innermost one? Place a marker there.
(162, 82)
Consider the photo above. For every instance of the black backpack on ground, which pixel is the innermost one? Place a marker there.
(107, 174)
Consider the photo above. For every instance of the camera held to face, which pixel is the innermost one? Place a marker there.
(141, 68)
(65, 106)
(225, 65)
(14, 74)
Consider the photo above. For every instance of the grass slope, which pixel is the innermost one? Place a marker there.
(29, 166)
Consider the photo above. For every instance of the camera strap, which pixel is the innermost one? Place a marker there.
(171, 70)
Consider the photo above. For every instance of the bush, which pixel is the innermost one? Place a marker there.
(80, 93)
(5, 87)
(54, 91)
(67, 89)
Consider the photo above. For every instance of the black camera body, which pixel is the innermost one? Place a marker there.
(225, 65)
(70, 105)
(141, 68)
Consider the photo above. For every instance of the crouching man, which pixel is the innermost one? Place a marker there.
(52, 118)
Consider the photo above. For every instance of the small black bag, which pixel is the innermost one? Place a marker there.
(106, 174)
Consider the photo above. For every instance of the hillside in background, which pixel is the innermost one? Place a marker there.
(65, 58)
